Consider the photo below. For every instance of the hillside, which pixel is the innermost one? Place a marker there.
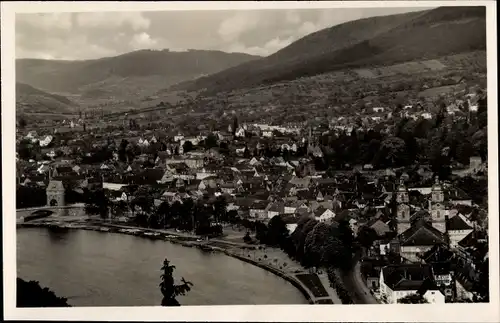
(369, 42)
(31, 100)
(137, 73)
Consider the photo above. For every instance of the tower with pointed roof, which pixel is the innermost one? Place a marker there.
(55, 193)
(403, 208)
(436, 206)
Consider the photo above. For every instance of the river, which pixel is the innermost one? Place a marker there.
(110, 269)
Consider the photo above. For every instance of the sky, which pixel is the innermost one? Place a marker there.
(90, 35)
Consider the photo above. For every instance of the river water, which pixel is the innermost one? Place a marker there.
(106, 269)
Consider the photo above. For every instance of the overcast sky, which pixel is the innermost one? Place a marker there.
(101, 34)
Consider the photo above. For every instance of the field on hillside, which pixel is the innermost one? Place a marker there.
(340, 93)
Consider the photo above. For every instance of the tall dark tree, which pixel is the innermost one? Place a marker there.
(220, 209)
(235, 124)
(168, 287)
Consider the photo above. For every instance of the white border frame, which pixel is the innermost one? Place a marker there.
(284, 313)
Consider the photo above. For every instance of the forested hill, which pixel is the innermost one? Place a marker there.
(144, 68)
(32, 100)
(367, 42)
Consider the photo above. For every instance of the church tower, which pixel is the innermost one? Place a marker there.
(436, 207)
(403, 208)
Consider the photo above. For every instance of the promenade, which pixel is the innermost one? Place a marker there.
(315, 286)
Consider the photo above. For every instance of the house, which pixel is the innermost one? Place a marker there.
(457, 228)
(473, 247)
(475, 163)
(426, 115)
(228, 188)
(458, 196)
(398, 281)
(438, 254)
(291, 207)
(322, 214)
(463, 288)
(274, 209)
(443, 276)
(258, 210)
(418, 239)
(380, 227)
(300, 182)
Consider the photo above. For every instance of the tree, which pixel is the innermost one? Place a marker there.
(31, 294)
(97, 203)
(211, 141)
(220, 209)
(277, 231)
(122, 153)
(261, 232)
(247, 238)
(143, 199)
(163, 212)
(414, 298)
(168, 288)
(25, 149)
(392, 152)
(187, 146)
(366, 236)
(235, 124)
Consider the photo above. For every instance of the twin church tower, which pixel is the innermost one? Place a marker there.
(436, 210)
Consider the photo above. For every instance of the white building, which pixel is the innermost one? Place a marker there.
(398, 281)
(322, 214)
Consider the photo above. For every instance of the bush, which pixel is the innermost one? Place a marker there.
(31, 294)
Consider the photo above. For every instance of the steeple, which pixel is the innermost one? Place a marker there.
(436, 206)
(403, 208)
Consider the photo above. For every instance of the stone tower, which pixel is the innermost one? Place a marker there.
(436, 207)
(403, 208)
(55, 193)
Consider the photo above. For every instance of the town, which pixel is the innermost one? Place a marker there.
(386, 205)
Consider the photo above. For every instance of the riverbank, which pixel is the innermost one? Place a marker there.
(307, 283)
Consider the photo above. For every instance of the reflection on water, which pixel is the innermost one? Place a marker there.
(105, 269)
(56, 235)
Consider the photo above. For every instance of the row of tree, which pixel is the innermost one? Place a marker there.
(312, 243)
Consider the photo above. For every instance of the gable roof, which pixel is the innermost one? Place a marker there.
(421, 234)
(438, 253)
(457, 223)
(55, 186)
(406, 276)
(259, 205)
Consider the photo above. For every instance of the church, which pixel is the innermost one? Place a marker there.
(419, 230)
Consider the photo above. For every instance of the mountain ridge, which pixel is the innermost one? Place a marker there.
(366, 42)
(65, 76)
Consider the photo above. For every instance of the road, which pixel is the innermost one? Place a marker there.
(354, 282)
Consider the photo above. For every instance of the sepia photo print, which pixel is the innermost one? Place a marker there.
(299, 155)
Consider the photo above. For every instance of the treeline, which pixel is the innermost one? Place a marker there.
(313, 244)
(30, 196)
(204, 217)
